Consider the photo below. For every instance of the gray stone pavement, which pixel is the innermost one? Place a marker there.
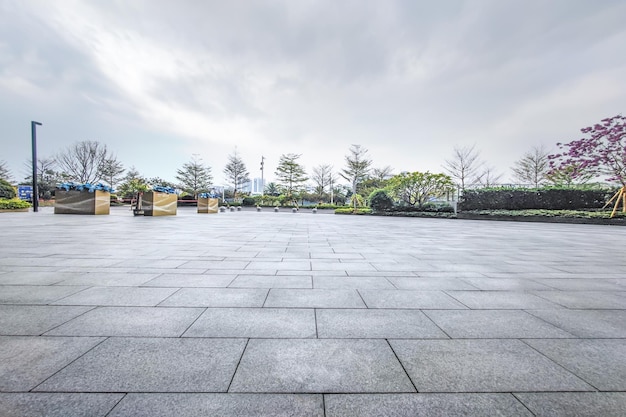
(301, 314)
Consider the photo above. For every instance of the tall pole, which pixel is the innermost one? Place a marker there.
(35, 195)
(262, 182)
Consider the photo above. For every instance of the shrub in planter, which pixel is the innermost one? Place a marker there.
(13, 204)
(6, 190)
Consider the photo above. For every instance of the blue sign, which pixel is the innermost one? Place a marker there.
(25, 192)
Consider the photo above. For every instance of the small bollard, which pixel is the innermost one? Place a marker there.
(232, 209)
(294, 210)
(222, 209)
(275, 209)
(258, 208)
(314, 210)
(238, 208)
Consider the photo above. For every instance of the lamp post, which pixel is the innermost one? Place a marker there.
(262, 182)
(35, 196)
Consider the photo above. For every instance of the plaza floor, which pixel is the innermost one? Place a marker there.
(302, 314)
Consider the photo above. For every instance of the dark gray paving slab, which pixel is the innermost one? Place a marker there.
(352, 282)
(130, 321)
(254, 323)
(57, 404)
(309, 365)
(368, 323)
(27, 320)
(190, 280)
(494, 324)
(599, 362)
(29, 294)
(315, 298)
(217, 297)
(409, 299)
(272, 281)
(27, 361)
(501, 300)
(587, 323)
(234, 405)
(490, 365)
(586, 299)
(430, 284)
(426, 405)
(151, 365)
(117, 296)
(582, 404)
(105, 279)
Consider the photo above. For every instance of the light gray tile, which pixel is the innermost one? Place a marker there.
(217, 297)
(409, 299)
(599, 362)
(57, 404)
(430, 284)
(106, 279)
(130, 321)
(501, 300)
(35, 320)
(584, 284)
(580, 404)
(426, 405)
(505, 284)
(352, 282)
(482, 366)
(309, 365)
(28, 294)
(151, 365)
(190, 280)
(315, 298)
(254, 322)
(34, 277)
(27, 361)
(496, 324)
(587, 323)
(234, 405)
(272, 281)
(118, 296)
(367, 323)
(586, 299)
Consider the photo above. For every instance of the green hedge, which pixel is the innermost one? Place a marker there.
(547, 199)
(351, 210)
(13, 204)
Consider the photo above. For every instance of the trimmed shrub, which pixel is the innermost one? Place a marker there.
(380, 201)
(6, 190)
(548, 199)
(351, 210)
(249, 201)
(13, 204)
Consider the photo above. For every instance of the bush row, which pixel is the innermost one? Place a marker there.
(548, 199)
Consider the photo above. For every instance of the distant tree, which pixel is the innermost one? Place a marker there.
(488, 177)
(47, 176)
(357, 168)
(533, 167)
(111, 170)
(272, 189)
(83, 161)
(569, 176)
(322, 177)
(416, 188)
(236, 173)
(132, 183)
(160, 181)
(464, 165)
(5, 173)
(7, 191)
(194, 176)
(291, 175)
(602, 152)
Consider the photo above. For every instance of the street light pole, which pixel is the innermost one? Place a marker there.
(262, 182)
(35, 195)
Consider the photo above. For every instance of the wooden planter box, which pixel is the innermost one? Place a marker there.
(82, 202)
(159, 204)
(208, 205)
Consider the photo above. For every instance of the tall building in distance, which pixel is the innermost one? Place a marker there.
(257, 186)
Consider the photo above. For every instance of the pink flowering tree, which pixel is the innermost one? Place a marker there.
(602, 152)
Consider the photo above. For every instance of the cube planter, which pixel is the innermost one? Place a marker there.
(155, 203)
(82, 202)
(208, 205)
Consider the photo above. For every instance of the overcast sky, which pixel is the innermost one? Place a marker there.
(158, 81)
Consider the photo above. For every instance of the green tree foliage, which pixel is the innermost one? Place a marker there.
(322, 177)
(569, 176)
(47, 176)
(6, 190)
(236, 173)
(357, 167)
(272, 189)
(291, 175)
(111, 170)
(416, 188)
(380, 201)
(132, 183)
(195, 177)
(83, 161)
(532, 167)
(5, 173)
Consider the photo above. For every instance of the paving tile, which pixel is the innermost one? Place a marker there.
(272, 281)
(34, 277)
(35, 320)
(426, 405)
(587, 323)
(600, 362)
(501, 300)
(319, 265)
(495, 324)
(313, 365)
(151, 365)
(57, 404)
(586, 299)
(409, 299)
(368, 323)
(430, 284)
(254, 323)
(130, 321)
(27, 361)
(489, 365)
(118, 296)
(281, 266)
(505, 284)
(28, 294)
(217, 297)
(190, 280)
(580, 404)
(234, 405)
(316, 298)
(352, 282)
(582, 284)
(105, 279)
